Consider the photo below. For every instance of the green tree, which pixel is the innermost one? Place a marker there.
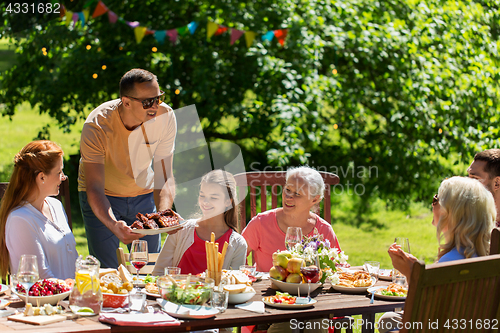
(391, 86)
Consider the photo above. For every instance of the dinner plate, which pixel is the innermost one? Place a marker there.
(184, 311)
(3, 288)
(385, 274)
(354, 290)
(3, 302)
(289, 306)
(157, 231)
(150, 294)
(385, 297)
(294, 288)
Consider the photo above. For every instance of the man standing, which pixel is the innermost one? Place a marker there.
(126, 149)
(486, 169)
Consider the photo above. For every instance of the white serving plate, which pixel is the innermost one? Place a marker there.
(41, 300)
(294, 288)
(312, 301)
(240, 298)
(184, 311)
(157, 231)
(385, 297)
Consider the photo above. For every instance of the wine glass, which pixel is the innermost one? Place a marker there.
(397, 276)
(138, 257)
(293, 236)
(372, 268)
(27, 272)
(311, 273)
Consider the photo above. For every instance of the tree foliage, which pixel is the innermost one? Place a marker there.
(386, 86)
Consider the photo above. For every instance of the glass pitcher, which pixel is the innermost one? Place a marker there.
(87, 289)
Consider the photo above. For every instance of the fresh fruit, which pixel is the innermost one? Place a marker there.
(294, 265)
(84, 309)
(282, 259)
(84, 282)
(70, 282)
(278, 273)
(294, 278)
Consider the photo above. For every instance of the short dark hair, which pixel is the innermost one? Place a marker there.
(132, 77)
(492, 159)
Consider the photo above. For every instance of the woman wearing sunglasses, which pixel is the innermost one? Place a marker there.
(464, 214)
(119, 141)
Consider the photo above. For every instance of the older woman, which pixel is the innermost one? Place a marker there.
(265, 233)
(464, 214)
(33, 222)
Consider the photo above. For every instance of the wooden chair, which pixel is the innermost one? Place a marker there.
(63, 196)
(123, 259)
(495, 241)
(258, 182)
(466, 290)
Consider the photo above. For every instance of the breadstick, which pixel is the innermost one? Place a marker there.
(224, 249)
(214, 258)
(207, 250)
(212, 238)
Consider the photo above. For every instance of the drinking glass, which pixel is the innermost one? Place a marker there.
(138, 257)
(293, 236)
(219, 300)
(397, 277)
(27, 272)
(172, 270)
(311, 272)
(373, 268)
(404, 243)
(136, 301)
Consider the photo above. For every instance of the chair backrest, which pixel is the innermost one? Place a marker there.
(495, 241)
(461, 292)
(258, 182)
(123, 259)
(63, 196)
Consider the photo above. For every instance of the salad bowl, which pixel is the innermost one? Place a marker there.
(184, 289)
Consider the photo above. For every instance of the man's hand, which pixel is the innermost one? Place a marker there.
(401, 260)
(124, 233)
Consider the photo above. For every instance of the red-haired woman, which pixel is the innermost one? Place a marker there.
(33, 222)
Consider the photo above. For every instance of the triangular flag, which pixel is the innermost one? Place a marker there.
(100, 9)
(75, 18)
(69, 16)
(112, 17)
(86, 14)
(235, 35)
(268, 36)
(222, 29)
(160, 36)
(172, 35)
(249, 37)
(281, 35)
(150, 32)
(211, 29)
(183, 30)
(81, 16)
(192, 27)
(134, 24)
(62, 12)
(139, 33)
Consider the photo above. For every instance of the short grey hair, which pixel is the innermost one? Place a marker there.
(311, 177)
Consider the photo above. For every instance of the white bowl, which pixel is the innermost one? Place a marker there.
(240, 298)
(41, 300)
(293, 288)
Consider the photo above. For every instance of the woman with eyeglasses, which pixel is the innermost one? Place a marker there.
(127, 147)
(464, 215)
(31, 220)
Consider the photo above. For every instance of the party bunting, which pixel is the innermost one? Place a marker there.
(139, 33)
(62, 12)
(211, 29)
(281, 35)
(183, 30)
(172, 35)
(69, 16)
(160, 36)
(268, 36)
(192, 27)
(235, 35)
(134, 24)
(86, 13)
(100, 9)
(222, 29)
(75, 18)
(249, 37)
(82, 17)
(112, 17)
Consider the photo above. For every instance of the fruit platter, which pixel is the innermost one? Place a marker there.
(46, 291)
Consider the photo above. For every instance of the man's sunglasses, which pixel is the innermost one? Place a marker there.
(149, 102)
(435, 199)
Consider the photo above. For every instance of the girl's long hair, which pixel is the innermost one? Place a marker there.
(35, 157)
(467, 217)
(226, 180)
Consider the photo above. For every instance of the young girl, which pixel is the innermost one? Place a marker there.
(186, 248)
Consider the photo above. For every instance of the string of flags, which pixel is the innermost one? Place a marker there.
(213, 29)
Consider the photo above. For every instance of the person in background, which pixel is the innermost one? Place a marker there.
(186, 249)
(127, 147)
(33, 222)
(464, 214)
(486, 169)
(265, 233)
